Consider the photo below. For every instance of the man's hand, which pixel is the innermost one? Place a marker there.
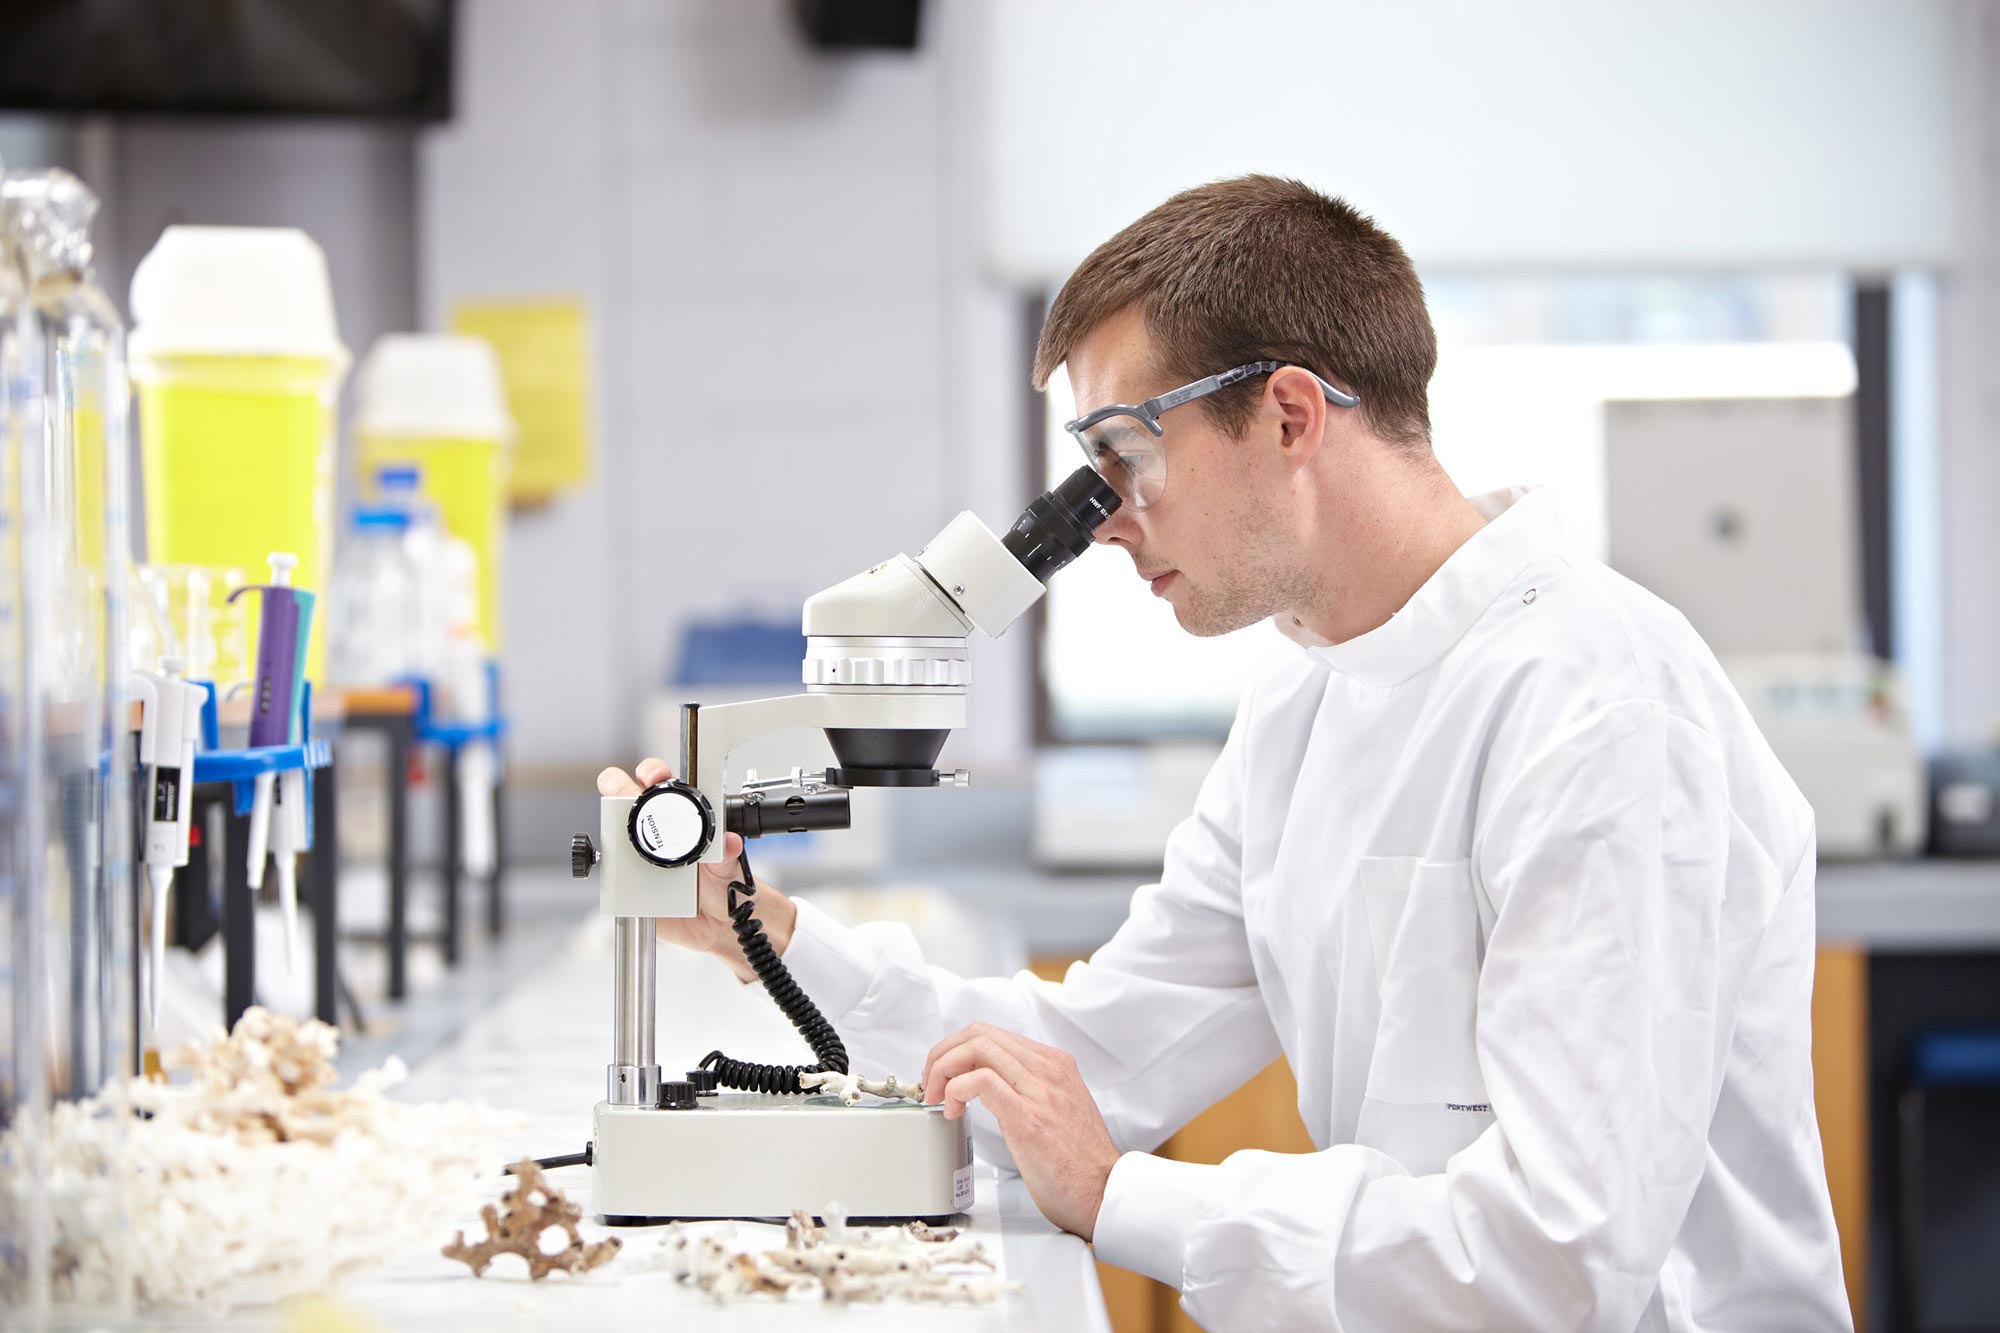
(709, 930)
(1046, 1114)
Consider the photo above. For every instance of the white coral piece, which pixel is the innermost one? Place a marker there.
(849, 1087)
(842, 1265)
(256, 1181)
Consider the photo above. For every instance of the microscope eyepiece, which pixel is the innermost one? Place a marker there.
(1057, 525)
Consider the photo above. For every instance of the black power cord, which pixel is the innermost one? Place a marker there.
(796, 1005)
(583, 1158)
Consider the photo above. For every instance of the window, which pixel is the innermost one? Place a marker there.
(1525, 366)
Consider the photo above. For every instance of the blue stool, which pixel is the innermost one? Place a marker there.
(1940, 1060)
(453, 737)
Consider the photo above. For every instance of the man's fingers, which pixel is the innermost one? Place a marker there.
(648, 772)
(967, 1033)
(617, 782)
(721, 873)
(982, 1085)
(982, 1052)
(1027, 1053)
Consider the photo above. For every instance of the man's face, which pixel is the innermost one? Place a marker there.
(1215, 543)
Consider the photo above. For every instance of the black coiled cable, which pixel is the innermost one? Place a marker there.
(793, 1002)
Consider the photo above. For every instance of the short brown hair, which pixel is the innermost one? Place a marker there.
(1260, 268)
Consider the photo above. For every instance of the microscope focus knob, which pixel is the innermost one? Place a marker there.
(582, 856)
(671, 824)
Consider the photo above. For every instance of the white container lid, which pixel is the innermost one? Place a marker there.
(234, 291)
(432, 384)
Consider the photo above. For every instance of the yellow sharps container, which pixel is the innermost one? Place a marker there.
(435, 402)
(238, 362)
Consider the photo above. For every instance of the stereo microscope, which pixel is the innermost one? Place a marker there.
(885, 676)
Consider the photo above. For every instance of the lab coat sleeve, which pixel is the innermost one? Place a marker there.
(1625, 912)
(1162, 1020)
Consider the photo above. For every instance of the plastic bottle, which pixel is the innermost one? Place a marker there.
(373, 622)
(436, 401)
(425, 546)
(465, 695)
(453, 651)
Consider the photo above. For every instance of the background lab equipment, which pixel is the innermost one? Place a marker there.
(1740, 513)
(886, 675)
(237, 360)
(1965, 803)
(1840, 724)
(432, 408)
(67, 908)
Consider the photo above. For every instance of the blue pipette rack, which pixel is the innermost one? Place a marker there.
(242, 767)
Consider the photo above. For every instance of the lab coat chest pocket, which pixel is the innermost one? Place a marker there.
(1427, 930)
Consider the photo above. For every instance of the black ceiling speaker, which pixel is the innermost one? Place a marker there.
(859, 25)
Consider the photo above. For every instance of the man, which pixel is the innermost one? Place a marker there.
(1494, 856)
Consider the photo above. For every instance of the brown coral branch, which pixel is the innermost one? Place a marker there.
(530, 1209)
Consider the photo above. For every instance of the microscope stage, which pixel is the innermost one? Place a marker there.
(742, 1154)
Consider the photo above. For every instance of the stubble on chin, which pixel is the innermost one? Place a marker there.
(1258, 591)
(1213, 617)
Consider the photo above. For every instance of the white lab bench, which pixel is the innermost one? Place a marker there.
(534, 1036)
(540, 1049)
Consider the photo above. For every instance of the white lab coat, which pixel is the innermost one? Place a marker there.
(1520, 892)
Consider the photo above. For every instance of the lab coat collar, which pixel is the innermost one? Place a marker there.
(1521, 526)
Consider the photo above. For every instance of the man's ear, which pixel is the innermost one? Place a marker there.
(1302, 412)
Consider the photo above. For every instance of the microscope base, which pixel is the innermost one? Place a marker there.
(750, 1155)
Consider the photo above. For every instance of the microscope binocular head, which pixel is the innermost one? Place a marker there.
(900, 627)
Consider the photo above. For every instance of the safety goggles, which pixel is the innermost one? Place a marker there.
(1122, 441)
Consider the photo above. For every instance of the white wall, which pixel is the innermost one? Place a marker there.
(1968, 340)
(1565, 132)
(511, 200)
(799, 372)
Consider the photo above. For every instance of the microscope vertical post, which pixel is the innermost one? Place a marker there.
(634, 1076)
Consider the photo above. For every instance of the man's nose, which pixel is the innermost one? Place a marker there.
(1123, 525)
